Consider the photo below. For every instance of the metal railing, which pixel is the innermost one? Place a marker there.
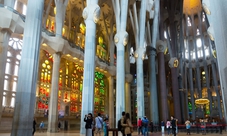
(14, 11)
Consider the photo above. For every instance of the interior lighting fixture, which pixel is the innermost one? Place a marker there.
(202, 101)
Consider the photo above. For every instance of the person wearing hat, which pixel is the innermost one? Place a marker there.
(145, 122)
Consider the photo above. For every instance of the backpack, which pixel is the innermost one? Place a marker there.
(119, 126)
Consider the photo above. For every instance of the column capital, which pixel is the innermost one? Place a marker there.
(111, 70)
(128, 78)
(150, 51)
(121, 37)
(140, 53)
(173, 62)
(161, 46)
(92, 12)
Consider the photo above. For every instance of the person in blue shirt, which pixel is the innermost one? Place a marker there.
(41, 126)
(145, 123)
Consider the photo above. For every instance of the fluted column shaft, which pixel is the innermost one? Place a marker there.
(25, 97)
(140, 51)
(53, 103)
(154, 114)
(161, 46)
(121, 40)
(4, 40)
(91, 16)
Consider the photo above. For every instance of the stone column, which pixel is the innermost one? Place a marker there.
(111, 102)
(4, 42)
(26, 89)
(91, 15)
(217, 32)
(121, 40)
(128, 79)
(53, 102)
(161, 47)
(154, 114)
(9, 3)
(19, 7)
(215, 81)
(173, 64)
(140, 55)
(60, 16)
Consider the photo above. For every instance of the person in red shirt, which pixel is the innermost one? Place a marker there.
(139, 125)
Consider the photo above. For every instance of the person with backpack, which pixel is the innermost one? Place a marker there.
(145, 122)
(121, 124)
(98, 124)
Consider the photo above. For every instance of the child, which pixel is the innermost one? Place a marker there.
(105, 127)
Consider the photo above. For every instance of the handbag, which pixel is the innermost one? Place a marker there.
(93, 129)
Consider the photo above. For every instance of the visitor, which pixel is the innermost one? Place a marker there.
(145, 122)
(163, 127)
(59, 126)
(98, 124)
(41, 126)
(123, 123)
(139, 125)
(187, 123)
(88, 126)
(105, 127)
(34, 127)
(152, 126)
(129, 127)
(168, 127)
(173, 124)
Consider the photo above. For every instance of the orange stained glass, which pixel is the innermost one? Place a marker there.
(192, 7)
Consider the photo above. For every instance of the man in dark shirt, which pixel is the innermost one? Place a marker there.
(173, 124)
(123, 121)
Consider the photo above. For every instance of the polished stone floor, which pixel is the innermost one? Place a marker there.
(76, 133)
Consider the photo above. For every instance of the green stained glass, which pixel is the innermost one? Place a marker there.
(190, 106)
(81, 87)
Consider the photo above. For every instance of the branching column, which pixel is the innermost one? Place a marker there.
(140, 55)
(121, 40)
(91, 16)
(26, 89)
(53, 104)
(60, 16)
